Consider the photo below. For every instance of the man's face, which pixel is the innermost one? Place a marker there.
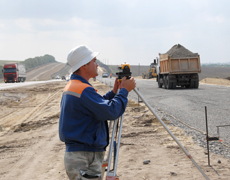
(92, 67)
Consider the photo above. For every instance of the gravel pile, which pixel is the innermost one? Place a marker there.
(199, 138)
(178, 51)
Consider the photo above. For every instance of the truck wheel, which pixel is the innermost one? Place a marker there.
(159, 84)
(169, 84)
(174, 85)
(196, 84)
(191, 84)
(165, 82)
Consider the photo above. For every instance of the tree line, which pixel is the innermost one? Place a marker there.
(32, 63)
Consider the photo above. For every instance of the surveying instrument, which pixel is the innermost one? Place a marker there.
(124, 71)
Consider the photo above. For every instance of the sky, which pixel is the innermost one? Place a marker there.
(131, 31)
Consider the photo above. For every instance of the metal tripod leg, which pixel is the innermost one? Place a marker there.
(171, 134)
(105, 162)
(111, 174)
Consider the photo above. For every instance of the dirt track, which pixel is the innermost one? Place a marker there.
(30, 147)
(44, 72)
(29, 140)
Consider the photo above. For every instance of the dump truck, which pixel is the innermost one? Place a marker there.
(178, 67)
(151, 72)
(14, 72)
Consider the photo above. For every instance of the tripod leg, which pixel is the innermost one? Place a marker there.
(105, 162)
(171, 134)
(111, 147)
(112, 175)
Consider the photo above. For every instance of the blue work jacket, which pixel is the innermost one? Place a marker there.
(84, 113)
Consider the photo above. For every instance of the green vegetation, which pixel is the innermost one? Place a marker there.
(30, 63)
(38, 61)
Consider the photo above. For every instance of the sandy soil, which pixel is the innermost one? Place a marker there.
(30, 146)
(216, 81)
(44, 72)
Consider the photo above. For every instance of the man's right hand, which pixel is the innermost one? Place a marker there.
(128, 84)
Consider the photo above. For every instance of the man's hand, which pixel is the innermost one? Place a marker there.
(128, 84)
(116, 86)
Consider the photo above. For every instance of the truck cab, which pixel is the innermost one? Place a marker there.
(14, 72)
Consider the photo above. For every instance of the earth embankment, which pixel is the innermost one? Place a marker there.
(44, 72)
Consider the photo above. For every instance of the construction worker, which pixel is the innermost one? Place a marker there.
(84, 113)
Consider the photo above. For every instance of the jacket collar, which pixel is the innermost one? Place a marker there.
(78, 77)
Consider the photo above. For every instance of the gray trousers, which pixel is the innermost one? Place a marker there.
(83, 165)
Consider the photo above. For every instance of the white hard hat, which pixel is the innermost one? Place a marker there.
(80, 56)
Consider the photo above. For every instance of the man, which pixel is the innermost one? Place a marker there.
(84, 113)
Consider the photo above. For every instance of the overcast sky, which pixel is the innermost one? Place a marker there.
(132, 31)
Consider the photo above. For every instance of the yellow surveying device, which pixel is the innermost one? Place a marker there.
(124, 71)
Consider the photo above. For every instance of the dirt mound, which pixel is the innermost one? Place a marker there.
(216, 81)
(178, 51)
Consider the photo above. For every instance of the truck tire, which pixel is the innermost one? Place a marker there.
(191, 84)
(159, 82)
(196, 84)
(194, 81)
(165, 82)
(174, 85)
(169, 84)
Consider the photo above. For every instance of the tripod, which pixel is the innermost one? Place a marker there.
(111, 174)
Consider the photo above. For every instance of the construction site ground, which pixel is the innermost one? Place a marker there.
(30, 147)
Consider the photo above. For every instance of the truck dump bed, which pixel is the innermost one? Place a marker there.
(179, 60)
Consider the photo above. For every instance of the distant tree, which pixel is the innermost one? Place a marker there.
(38, 61)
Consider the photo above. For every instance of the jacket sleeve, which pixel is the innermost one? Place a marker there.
(109, 95)
(102, 109)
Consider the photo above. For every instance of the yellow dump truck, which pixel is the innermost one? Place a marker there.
(178, 67)
(151, 72)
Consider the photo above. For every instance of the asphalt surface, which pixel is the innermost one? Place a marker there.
(187, 106)
(21, 84)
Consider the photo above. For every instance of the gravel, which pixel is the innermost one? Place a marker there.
(199, 137)
(178, 51)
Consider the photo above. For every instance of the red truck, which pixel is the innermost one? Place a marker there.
(14, 72)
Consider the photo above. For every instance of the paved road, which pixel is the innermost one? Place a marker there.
(27, 83)
(188, 105)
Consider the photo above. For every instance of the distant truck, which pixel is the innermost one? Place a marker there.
(178, 67)
(14, 72)
(151, 72)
